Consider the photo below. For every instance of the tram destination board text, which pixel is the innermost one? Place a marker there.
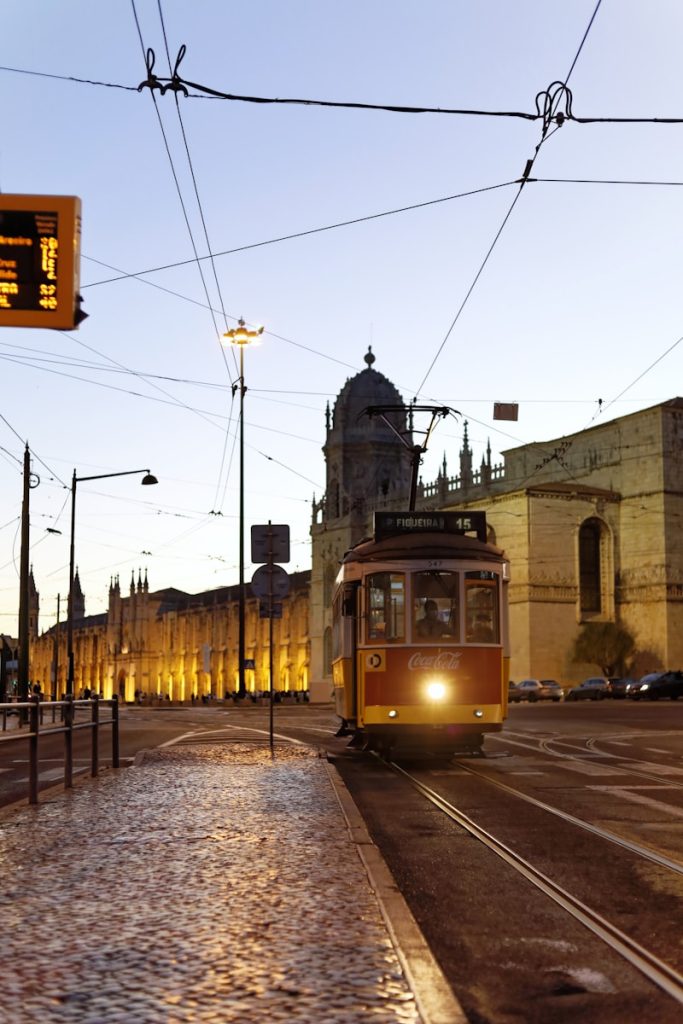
(391, 524)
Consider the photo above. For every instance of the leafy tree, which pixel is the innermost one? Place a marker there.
(605, 644)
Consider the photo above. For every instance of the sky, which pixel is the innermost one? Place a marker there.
(575, 314)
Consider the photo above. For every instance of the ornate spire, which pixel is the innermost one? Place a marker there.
(369, 358)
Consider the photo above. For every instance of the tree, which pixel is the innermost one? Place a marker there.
(605, 644)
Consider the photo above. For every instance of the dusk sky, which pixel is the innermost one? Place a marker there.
(576, 314)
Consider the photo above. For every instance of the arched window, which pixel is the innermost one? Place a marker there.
(327, 652)
(590, 567)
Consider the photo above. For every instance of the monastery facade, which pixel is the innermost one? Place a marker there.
(590, 523)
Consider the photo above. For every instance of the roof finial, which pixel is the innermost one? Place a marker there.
(369, 358)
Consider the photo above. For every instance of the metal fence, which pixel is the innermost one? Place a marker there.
(62, 718)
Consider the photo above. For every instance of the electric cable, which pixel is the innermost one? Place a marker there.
(548, 103)
(145, 55)
(301, 234)
(192, 171)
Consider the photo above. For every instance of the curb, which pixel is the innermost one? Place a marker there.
(434, 997)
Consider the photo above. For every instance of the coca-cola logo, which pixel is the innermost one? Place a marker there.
(439, 660)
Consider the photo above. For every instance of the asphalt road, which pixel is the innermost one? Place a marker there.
(509, 952)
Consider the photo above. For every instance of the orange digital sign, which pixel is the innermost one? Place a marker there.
(40, 243)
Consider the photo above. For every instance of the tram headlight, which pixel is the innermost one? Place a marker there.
(436, 690)
(478, 713)
(393, 713)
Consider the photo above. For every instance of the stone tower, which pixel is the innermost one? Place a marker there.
(367, 468)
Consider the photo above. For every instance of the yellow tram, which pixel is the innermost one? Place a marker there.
(420, 650)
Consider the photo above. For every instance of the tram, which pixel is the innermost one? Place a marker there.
(420, 647)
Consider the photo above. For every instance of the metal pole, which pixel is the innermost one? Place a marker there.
(55, 681)
(70, 606)
(270, 637)
(242, 689)
(416, 459)
(34, 728)
(23, 665)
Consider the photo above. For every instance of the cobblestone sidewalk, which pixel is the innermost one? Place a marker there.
(212, 883)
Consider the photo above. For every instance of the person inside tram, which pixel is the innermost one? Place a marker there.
(430, 625)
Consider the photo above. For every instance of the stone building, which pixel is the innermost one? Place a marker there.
(169, 644)
(367, 468)
(591, 525)
(590, 522)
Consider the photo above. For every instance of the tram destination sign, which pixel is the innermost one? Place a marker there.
(40, 261)
(392, 524)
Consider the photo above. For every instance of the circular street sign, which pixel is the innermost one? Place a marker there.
(270, 581)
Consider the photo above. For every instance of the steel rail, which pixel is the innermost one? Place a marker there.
(642, 851)
(661, 974)
(545, 746)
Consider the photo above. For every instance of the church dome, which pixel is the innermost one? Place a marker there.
(367, 389)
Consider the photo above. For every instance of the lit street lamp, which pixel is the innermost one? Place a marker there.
(147, 479)
(241, 337)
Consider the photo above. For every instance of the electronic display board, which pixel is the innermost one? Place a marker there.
(392, 524)
(40, 242)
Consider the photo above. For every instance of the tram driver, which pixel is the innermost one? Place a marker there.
(430, 625)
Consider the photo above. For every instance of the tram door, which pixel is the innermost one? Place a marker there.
(344, 641)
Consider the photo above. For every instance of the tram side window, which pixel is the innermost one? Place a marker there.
(482, 622)
(435, 607)
(336, 627)
(386, 606)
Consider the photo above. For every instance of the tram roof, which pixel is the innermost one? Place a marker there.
(421, 546)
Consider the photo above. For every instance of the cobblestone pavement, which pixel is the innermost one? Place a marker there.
(211, 883)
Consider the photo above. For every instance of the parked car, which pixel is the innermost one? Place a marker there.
(595, 688)
(513, 692)
(661, 684)
(552, 690)
(538, 689)
(639, 687)
(618, 688)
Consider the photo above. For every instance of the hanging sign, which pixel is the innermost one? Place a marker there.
(40, 243)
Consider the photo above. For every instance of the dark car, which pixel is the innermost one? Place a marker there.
(513, 692)
(641, 686)
(595, 688)
(663, 684)
(618, 688)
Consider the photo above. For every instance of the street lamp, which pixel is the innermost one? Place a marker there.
(147, 479)
(241, 336)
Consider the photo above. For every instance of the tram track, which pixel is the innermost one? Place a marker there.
(661, 974)
(545, 746)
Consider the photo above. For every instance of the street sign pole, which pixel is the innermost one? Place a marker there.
(270, 655)
(270, 544)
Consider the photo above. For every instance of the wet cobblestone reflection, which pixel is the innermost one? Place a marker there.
(211, 884)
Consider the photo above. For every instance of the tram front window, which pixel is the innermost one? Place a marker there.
(435, 607)
(386, 606)
(481, 608)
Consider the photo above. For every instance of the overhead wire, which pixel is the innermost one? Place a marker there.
(205, 92)
(209, 249)
(303, 234)
(548, 101)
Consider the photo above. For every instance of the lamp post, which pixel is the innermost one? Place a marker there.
(147, 479)
(241, 336)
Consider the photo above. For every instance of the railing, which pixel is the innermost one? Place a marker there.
(33, 713)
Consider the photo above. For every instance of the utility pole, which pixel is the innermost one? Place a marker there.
(55, 678)
(23, 665)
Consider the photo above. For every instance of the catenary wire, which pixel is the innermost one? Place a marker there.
(553, 99)
(303, 234)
